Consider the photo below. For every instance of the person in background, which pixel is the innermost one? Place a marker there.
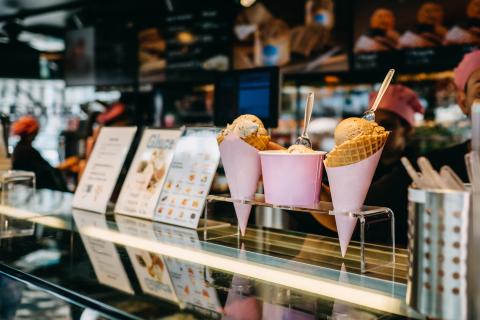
(396, 113)
(26, 157)
(467, 82)
(392, 189)
(381, 36)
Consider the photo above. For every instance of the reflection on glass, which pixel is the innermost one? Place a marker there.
(103, 254)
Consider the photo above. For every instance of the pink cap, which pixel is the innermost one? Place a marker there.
(400, 100)
(469, 64)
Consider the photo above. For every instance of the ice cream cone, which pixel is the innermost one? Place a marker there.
(349, 186)
(242, 167)
(355, 150)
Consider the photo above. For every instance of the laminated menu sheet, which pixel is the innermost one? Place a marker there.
(146, 176)
(189, 179)
(103, 168)
(150, 268)
(103, 255)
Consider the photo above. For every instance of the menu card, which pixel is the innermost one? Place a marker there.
(189, 179)
(150, 268)
(103, 254)
(103, 168)
(146, 176)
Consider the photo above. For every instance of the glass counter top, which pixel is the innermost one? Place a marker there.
(132, 268)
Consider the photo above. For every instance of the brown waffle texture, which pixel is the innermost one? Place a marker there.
(356, 149)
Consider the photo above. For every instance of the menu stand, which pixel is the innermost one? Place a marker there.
(368, 216)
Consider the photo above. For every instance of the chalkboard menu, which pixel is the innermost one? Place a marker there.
(200, 39)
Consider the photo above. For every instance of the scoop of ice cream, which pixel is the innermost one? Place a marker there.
(354, 127)
(298, 148)
(250, 129)
(245, 126)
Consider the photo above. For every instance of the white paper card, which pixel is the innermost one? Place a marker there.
(103, 255)
(146, 176)
(103, 168)
(150, 268)
(189, 179)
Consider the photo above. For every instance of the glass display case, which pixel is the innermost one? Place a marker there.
(126, 268)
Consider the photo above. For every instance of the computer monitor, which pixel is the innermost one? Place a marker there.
(252, 91)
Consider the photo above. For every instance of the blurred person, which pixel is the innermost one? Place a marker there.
(381, 36)
(429, 31)
(26, 157)
(396, 113)
(392, 189)
(468, 31)
(114, 115)
(467, 82)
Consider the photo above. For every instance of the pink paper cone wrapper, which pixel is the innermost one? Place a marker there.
(349, 186)
(242, 169)
(292, 179)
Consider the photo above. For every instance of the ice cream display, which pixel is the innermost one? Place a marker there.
(350, 167)
(239, 144)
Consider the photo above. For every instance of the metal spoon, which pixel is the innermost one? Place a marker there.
(370, 114)
(304, 139)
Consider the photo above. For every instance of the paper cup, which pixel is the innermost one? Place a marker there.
(349, 186)
(241, 163)
(292, 179)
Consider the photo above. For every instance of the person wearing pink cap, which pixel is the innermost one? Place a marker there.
(467, 82)
(391, 189)
(396, 113)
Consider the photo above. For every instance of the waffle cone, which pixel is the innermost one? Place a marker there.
(258, 142)
(355, 150)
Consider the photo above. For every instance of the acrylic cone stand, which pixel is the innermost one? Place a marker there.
(243, 170)
(349, 186)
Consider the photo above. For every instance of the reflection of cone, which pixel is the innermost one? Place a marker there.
(341, 310)
(271, 311)
(349, 186)
(355, 150)
(241, 304)
(242, 169)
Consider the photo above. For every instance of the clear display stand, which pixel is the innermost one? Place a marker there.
(367, 216)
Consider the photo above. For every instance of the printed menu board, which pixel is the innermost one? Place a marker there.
(189, 179)
(103, 168)
(150, 268)
(103, 254)
(146, 175)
